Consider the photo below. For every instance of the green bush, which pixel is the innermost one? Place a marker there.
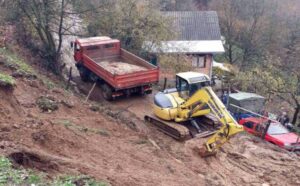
(6, 81)
(12, 176)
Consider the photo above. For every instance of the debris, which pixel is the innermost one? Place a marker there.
(120, 68)
(34, 83)
(94, 108)
(154, 143)
(90, 92)
(67, 103)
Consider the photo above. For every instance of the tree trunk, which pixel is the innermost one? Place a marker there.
(230, 54)
(295, 117)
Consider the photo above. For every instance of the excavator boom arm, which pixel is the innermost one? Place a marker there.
(206, 96)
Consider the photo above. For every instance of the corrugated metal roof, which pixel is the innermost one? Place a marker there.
(195, 25)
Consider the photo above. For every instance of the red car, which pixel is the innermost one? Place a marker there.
(276, 134)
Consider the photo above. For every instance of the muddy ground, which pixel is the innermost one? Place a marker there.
(110, 141)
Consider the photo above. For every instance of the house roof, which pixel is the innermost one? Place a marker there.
(185, 47)
(195, 25)
(198, 32)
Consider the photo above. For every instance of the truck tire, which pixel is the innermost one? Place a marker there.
(106, 92)
(84, 73)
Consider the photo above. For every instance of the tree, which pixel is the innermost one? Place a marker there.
(42, 23)
(274, 78)
(243, 25)
(202, 4)
(131, 21)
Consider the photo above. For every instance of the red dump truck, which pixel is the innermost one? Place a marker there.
(117, 71)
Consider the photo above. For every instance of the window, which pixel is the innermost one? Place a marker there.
(196, 86)
(182, 85)
(198, 61)
(92, 48)
(77, 47)
(108, 46)
(277, 128)
(259, 128)
(249, 124)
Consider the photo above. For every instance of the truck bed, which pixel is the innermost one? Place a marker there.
(122, 71)
(119, 66)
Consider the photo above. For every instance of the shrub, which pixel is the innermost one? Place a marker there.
(6, 81)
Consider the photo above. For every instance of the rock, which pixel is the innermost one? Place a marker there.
(68, 104)
(47, 104)
(213, 179)
(5, 129)
(18, 74)
(15, 126)
(28, 105)
(34, 84)
(56, 90)
(23, 74)
(40, 136)
(95, 108)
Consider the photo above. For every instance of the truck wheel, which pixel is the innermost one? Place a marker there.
(106, 92)
(84, 73)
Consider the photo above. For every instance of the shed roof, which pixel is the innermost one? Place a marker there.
(245, 96)
(195, 25)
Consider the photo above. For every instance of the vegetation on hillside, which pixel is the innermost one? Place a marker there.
(12, 176)
(6, 81)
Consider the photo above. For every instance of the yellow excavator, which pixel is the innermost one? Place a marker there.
(192, 98)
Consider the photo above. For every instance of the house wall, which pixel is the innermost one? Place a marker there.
(169, 72)
(207, 69)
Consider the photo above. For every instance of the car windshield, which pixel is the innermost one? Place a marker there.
(276, 129)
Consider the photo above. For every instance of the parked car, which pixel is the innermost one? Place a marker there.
(276, 134)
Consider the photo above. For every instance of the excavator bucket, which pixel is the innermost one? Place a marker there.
(204, 153)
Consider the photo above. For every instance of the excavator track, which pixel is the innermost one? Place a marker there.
(177, 131)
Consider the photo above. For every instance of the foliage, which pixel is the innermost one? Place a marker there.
(70, 125)
(6, 80)
(12, 176)
(13, 61)
(42, 25)
(269, 79)
(176, 63)
(130, 21)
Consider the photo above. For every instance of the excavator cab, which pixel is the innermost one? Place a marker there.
(188, 83)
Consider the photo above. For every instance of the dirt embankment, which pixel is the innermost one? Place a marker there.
(56, 131)
(77, 140)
